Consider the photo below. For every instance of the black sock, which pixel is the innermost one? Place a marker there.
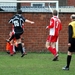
(68, 60)
(20, 48)
(16, 48)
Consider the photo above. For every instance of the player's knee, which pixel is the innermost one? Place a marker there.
(47, 46)
(69, 53)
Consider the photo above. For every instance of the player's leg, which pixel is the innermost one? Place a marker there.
(53, 45)
(19, 44)
(50, 44)
(11, 48)
(8, 47)
(50, 48)
(24, 50)
(69, 59)
(14, 49)
(11, 37)
(69, 56)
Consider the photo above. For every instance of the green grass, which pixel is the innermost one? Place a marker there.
(34, 64)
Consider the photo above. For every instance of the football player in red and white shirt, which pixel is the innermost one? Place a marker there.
(55, 26)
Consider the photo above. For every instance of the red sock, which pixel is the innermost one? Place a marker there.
(55, 52)
(11, 49)
(52, 50)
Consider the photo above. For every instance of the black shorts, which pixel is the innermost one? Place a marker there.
(18, 35)
(72, 48)
(18, 32)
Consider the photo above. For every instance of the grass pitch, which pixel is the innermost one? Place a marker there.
(34, 64)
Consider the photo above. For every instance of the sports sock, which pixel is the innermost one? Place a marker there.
(68, 60)
(11, 49)
(11, 37)
(55, 52)
(20, 48)
(16, 48)
(52, 50)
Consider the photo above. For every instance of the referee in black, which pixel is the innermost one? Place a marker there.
(71, 42)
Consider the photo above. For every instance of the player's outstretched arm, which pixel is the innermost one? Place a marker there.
(29, 21)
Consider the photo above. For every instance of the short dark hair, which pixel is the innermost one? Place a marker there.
(19, 11)
(55, 12)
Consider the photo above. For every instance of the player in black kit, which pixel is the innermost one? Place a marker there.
(17, 28)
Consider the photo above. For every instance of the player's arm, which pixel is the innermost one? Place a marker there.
(28, 21)
(11, 20)
(51, 24)
(60, 25)
(70, 32)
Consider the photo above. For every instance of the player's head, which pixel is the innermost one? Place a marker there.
(72, 16)
(19, 11)
(55, 13)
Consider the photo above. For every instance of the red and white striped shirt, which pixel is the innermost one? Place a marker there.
(55, 26)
